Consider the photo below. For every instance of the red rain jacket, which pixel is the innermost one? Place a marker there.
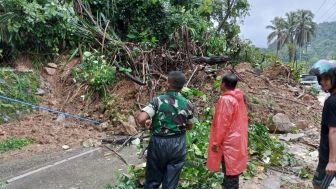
(229, 131)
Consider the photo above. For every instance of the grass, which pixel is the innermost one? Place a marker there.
(109, 186)
(17, 85)
(14, 143)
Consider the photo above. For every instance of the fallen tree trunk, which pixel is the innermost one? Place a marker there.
(131, 77)
(211, 60)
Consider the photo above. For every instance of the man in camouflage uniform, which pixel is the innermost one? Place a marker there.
(168, 116)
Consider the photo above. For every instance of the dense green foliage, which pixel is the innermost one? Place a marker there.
(17, 85)
(14, 143)
(123, 31)
(36, 26)
(54, 26)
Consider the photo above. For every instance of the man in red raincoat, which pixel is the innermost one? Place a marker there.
(229, 134)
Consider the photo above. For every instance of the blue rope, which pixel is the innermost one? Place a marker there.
(49, 110)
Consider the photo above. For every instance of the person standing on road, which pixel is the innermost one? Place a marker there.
(326, 168)
(168, 117)
(229, 134)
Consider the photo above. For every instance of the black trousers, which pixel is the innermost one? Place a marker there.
(320, 177)
(165, 160)
(229, 181)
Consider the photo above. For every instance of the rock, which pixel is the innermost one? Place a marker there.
(136, 141)
(281, 123)
(293, 89)
(271, 183)
(6, 118)
(265, 92)
(302, 124)
(250, 186)
(304, 154)
(307, 98)
(50, 71)
(69, 67)
(140, 166)
(291, 137)
(52, 102)
(40, 91)
(73, 188)
(2, 133)
(130, 126)
(91, 143)
(52, 65)
(60, 118)
(314, 154)
(65, 147)
(279, 110)
(102, 127)
(243, 67)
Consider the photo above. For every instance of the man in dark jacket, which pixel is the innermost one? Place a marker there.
(325, 171)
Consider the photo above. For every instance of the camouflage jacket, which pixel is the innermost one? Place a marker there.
(170, 114)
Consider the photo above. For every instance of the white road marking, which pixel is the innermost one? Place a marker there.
(49, 166)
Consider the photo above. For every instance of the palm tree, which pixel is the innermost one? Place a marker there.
(296, 29)
(305, 28)
(278, 33)
(291, 20)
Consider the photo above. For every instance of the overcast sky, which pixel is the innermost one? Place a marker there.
(263, 11)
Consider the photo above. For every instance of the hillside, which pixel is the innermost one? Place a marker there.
(322, 47)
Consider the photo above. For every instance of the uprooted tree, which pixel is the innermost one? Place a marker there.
(142, 40)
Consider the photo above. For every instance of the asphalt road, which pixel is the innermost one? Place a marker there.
(91, 168)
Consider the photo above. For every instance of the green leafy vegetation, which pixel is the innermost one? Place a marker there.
(17, 85)
(14, 143)
(62, 25)
(37, 26)
(269, 149)
(96, 71)
(264, 150)
(314, 90)
(113, 108)
(188, 92)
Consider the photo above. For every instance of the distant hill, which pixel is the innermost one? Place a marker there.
(323, 46)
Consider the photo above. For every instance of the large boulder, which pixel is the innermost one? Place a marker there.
(130, 126)
(50, 71)
(281, 123)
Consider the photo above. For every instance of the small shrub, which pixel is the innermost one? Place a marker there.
(95, 71)
(14, 143)
(314, 90)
